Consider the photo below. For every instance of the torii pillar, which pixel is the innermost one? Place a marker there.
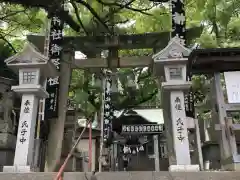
(55, 138)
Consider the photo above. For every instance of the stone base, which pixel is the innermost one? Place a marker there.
(18, 169)
(184, 168)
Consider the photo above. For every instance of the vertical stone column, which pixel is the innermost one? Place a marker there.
(179, 125)
(26, 131)
(199, 144)
(156, 153)
(220, 104)
(23, 159)
(230, 159)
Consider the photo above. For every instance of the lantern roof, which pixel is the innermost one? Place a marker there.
(174, 50)
(31, 57)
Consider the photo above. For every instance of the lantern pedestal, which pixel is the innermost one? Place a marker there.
(26, 131)
(178, 126)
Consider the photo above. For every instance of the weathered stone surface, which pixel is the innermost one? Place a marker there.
(141, 175)
(27, 176)
(7, 141)
(17, 169)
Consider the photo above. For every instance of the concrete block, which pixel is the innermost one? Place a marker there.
(17, 169)
(184, 168)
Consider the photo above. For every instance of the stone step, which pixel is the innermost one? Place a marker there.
(134, 175)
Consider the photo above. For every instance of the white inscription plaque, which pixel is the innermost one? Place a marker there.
(232, 80)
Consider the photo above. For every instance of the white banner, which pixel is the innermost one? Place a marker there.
(232, 80)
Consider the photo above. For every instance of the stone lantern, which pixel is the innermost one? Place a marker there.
(33, 68)
(170, 66)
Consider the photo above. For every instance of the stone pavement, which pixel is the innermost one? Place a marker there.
(127, 176)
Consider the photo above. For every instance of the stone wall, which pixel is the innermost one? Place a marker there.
(127, 176)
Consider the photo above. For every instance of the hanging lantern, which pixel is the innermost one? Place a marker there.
(131, 80)
(114, 83)
(119, 86)
(96, 82)
(125, 149)
(141, 148)
(104, 53)
(134, 152)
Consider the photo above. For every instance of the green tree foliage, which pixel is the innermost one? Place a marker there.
(16, 21)
(220, 19)
(5, 52)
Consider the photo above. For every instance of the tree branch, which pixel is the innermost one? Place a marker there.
(117, 10)
(78, 17)
(140, 78)
(125, 6)
(8, 43)
(94, 13)
(149, 97)
(12, 14)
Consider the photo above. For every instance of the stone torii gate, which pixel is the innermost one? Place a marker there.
(92, 46)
